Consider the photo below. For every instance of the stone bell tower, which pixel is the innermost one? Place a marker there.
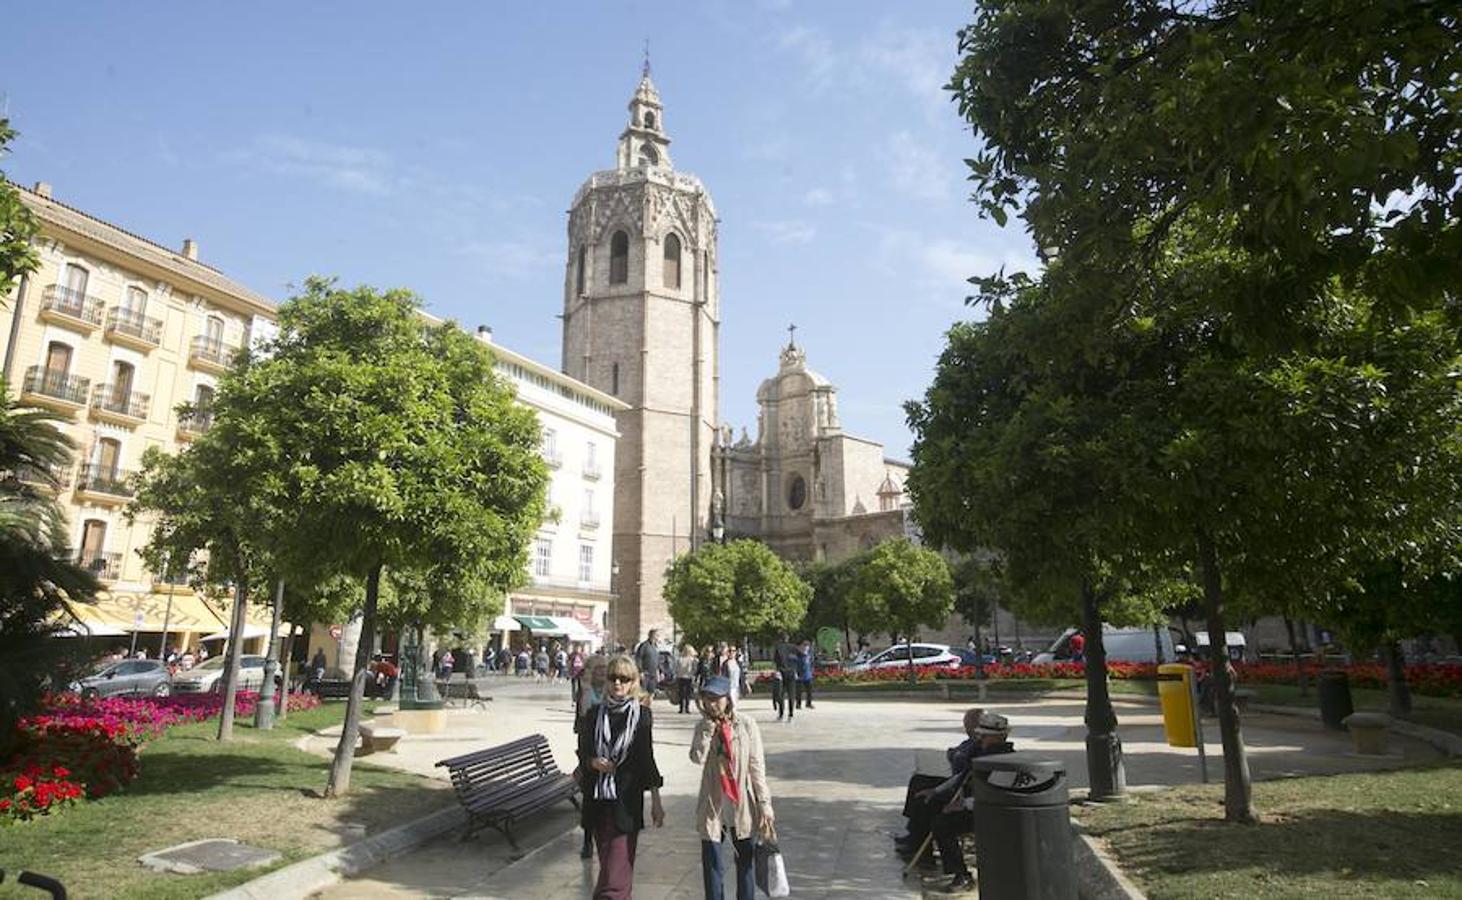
(641, 321)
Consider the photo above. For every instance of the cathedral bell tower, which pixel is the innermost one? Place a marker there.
(641, 321)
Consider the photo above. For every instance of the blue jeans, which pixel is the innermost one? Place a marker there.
(745, 869)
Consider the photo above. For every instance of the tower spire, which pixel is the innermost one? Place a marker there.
(643, 142)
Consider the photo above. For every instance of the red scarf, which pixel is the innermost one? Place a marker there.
(728, 764)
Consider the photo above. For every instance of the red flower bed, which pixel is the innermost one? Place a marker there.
(78, 747)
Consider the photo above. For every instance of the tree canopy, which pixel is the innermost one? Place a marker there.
(730, 591)
(899, 589)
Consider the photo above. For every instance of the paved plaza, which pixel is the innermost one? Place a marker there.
(837, 775)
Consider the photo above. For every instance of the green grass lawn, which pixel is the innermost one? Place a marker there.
(1385, 834)
(1436, 712)
(257, 788)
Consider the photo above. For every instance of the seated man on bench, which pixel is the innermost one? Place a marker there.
(929, 796)
(955, 817)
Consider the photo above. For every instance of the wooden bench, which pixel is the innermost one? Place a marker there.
(501, 785)
(332, 688)
(471, 691)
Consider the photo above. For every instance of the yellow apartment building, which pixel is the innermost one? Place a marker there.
(114, 332)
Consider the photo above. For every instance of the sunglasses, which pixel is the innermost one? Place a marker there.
(622, 679)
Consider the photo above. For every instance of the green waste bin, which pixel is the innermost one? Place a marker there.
(1335, 705)
(1022, 827)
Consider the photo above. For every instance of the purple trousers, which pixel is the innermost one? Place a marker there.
(616, 858)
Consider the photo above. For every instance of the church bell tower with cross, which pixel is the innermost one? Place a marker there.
(641, 321)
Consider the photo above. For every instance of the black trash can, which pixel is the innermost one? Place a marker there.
(1022, 827)
(1335, 705)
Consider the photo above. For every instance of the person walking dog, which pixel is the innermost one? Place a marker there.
(616, 768)
(734, 798)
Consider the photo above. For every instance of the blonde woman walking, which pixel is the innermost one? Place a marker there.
(616, 768)
(734, 798)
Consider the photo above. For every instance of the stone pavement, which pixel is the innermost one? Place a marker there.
(837, 776)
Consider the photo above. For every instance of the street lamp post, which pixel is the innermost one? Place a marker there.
(613, 603)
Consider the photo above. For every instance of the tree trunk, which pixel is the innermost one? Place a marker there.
(1157, 653)
(264, 710)
(909, 646)
(1399, 690)
(1294, 651)
(979, 655)
(1104, 769)
(339, 783)
(235, 654)
(282, 711)
(1238, 788)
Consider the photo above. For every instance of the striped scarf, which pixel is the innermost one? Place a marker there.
(615, 750)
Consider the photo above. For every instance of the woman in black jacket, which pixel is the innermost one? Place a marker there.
(616, 767)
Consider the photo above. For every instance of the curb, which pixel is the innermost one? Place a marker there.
(1445, 742)
(318, 872)
(1097, 875)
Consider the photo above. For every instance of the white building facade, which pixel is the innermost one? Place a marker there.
(571, 566)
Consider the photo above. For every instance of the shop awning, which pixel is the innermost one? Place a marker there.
(506, 623)
(124, 613)
(575, 630)
(250, 631)
(544, 625)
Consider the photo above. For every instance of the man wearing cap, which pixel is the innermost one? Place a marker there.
(927, 804)
(954, 819)
(734, 797)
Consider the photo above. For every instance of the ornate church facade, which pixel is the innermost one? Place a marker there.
(641, 322)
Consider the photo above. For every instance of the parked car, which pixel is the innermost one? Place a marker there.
(971, 658)
(1122, 645)
(208, 676)
(128, 678)
(898, 655)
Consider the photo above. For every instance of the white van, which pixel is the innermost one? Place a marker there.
(1122, 645)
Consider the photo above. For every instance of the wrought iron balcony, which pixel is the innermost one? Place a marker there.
(592, 472)
(588, 519)
(193, 423)
(127, 326)
(105, 482)
(552, 457)
(210, 354)
(50, 478)
(115, 405)
(105, 566)
(59, 385)
(65, 306)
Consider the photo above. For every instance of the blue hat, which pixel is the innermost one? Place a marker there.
(719, 686)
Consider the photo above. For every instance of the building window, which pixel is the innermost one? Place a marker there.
(579, 276)
(136, 300)
(797, 493)
(213, 329)
(648, 156)
(649, 120)
(586, 562)
(614, 379)
(542, 557)
(619, 258)
(108, 456)
(93, 544)
(76, 278)
(591, 457)
(672, 261)
(58, 359)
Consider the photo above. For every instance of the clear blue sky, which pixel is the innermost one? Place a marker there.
(437, 148)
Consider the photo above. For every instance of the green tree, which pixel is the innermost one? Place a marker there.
(17, 226)
(831, 583)
(397, 449)
(731, 591)
(1260, 203)
(979, 589)
(899, 589)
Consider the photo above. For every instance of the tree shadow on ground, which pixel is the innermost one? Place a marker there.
(181, 773)
(1363, 845)
(879, 767)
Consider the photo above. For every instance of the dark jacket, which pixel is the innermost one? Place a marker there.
(636, 775)
(784, 657)
(959, 766)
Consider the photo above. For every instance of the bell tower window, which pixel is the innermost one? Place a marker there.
(671, 275)
(649, 120)
(619, 258)
(648, 156)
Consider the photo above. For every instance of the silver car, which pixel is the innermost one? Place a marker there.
(208, 676)
(128, 678)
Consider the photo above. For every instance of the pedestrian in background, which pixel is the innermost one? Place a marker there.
(734, 799)
(616, 768)
(805, 658)
(647, 657)
(685, 668)
(784, 659)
